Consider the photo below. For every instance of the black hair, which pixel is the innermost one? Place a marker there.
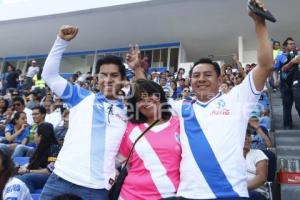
(207, 61)
(40, 157)
(285, 43)
(8, 170)
(149, 87)
(41, 109)
(39, 75)
(20, 99)
(16, 116)
(6, 103)
(250, 130)
(110, 59)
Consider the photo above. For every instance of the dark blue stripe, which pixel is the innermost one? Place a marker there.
(12, 58)
(79, 53)
(113, 50)
(204, 155)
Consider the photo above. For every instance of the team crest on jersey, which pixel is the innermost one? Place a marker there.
(221, 104)
(221, 108)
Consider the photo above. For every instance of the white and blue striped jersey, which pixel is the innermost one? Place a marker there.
(96, 127)
(212, 138)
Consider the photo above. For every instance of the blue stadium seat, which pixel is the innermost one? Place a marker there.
(19, 161)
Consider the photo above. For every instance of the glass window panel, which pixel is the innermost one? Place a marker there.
(148, 53)
(164, 57)
(174, 59)
(156, 58)
(72, 64)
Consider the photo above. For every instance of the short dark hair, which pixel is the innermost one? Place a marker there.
(20, 99)
(207, 61)
(41, 109)
(285, 43)
(110, 59)
(149, 87)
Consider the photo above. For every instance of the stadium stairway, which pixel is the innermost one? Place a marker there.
(287, 143)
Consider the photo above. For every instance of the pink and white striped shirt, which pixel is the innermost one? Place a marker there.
(154, 165)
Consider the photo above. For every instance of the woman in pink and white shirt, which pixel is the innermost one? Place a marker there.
(154, 165)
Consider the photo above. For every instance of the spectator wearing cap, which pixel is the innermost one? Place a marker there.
(33, 69)
(260, 138)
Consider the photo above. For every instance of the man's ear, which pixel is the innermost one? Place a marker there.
(220, 80)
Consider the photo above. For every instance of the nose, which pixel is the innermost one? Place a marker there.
(201, 78)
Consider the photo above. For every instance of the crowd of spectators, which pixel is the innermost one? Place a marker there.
(34, 121)
(30, 111)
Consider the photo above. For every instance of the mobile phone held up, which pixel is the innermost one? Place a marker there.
(260, 12)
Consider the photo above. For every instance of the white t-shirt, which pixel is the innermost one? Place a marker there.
(28, 115)
(32, 70)
(54, 118)
(15, 189)
(212, 137)
(252, 158)
(96, 127)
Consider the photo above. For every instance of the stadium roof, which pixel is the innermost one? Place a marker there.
(204, 27)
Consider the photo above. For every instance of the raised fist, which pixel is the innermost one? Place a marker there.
(68, 32)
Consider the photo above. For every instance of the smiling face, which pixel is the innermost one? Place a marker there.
(205, 82)
(110, 80)
(149, 105)
(37, 116)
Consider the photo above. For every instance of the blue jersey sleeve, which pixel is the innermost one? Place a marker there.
(73, 94)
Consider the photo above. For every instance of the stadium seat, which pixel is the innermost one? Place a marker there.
(19, 161)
